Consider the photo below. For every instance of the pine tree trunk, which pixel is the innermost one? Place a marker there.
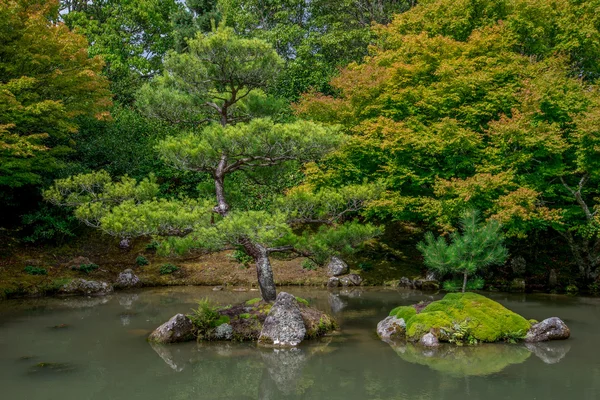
(264, 271)
(464, 282)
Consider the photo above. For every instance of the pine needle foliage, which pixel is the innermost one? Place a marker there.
(475, 247)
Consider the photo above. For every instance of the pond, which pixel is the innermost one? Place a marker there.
(95, 348)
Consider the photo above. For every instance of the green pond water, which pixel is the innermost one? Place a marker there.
(95, 348)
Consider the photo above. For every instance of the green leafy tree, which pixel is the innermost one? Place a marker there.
(315, 38)
(477, 246)
(476, 104)
(47, 79)
(213, 79)
(131, 36)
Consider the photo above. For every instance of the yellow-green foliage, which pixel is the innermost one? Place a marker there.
(487, 320)
(404, 312)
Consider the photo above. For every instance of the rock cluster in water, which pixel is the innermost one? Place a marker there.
(465, 318)
(284, 323)
(337, 270)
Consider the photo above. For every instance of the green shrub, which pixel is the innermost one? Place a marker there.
(207, 316)
(153, 245)
(168, 269)
(85, 268)
(141, 261)
(244, 316)
(365, 266)
(242, 257)
(35, 270)
(455, 285)
(309, 265)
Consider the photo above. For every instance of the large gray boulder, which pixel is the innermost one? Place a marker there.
(549, 329)
(127, 279)
(391, 328)
(84, 287)
(284, 326)
(178, 329)
(337, 267)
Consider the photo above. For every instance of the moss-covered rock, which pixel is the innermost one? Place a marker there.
(479, 318)
(403, 312)
(463, 317)
(244, 322)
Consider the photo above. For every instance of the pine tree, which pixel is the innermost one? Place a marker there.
(477, 246)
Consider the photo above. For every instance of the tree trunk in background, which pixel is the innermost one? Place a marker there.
(464, 282)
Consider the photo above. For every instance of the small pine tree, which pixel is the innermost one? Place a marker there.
(477, 246)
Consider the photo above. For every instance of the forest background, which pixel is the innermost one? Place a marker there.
(445, 106)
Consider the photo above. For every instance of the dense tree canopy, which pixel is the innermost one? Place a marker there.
(47, 80)
(218, 72)
(459, 106)
(132, 37)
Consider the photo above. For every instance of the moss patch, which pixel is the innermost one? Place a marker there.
(251, 302)
(484, 319)
(302, 301)
(403, 312)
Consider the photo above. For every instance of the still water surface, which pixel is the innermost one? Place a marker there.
(99, 351)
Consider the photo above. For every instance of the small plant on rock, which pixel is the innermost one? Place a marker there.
(477, 246)
(206, 316)
(31, 270)
(141, 261)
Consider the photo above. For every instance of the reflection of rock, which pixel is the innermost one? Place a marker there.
(84, 287)
(284, 367)
(391, 328)
(337, 267)
(85, 302)
(178, 329)
(284, 325)
(127, 299)
(127, 279)
(454, 360)
(549, 352)
(125, 319)
(352, 292)
(175, 357)
(549, 329)
(336, 304)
